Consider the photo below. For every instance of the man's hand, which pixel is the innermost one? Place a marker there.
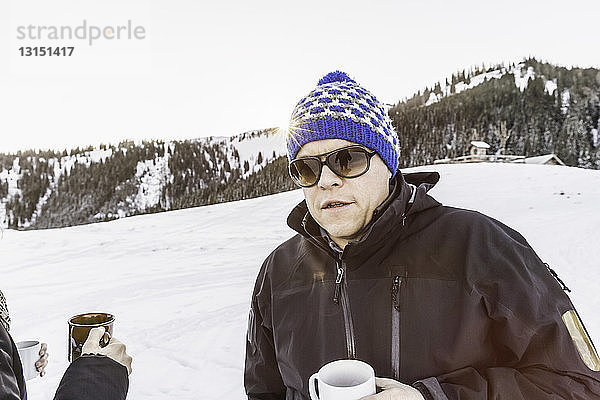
(115, 349)
(394, 390)
(40, 365)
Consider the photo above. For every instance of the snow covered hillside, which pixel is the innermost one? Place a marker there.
(521, 73)
(179, 282)
(127, 179)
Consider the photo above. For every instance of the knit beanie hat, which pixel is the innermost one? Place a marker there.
(339, 108)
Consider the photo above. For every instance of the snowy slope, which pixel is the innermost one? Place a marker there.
(11, 177)
(179, 282)
(520, 74)
(267, 145)
(153, 174)
(59, 166)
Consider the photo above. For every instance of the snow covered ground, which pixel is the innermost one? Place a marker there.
(179, 282)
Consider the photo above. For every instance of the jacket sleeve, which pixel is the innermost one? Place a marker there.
(12, 383)
(537, 351)
(93, 377)
(262, 379)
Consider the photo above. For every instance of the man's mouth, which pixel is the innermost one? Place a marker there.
(334, 204)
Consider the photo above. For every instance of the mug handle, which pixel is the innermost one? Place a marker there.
(105, 339)
(311, 386)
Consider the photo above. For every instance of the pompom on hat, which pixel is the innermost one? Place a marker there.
(339, 108)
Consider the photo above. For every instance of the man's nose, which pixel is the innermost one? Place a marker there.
(328, 178)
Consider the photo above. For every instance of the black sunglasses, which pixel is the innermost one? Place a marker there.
(347, 162)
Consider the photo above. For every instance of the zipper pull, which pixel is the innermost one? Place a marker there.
(338, 284)
(395, 292)
(403, 219)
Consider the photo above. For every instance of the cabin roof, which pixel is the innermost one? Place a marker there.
(480, 144)
(543, 159)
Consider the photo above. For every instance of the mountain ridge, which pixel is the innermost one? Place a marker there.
(545, 109)
(45, 189)
(529, 108)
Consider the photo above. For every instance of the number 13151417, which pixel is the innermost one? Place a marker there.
(46, 51)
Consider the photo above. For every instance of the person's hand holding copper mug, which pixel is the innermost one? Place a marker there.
(91, 333)
(114, 349)
(79, 330)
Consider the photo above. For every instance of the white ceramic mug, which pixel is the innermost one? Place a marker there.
(29, 352)
(343, 380)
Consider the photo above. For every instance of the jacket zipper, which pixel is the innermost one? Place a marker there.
(338, 284)
(396, 308)
(341, 294)
(341, 290)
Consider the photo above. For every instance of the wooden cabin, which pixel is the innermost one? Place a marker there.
(479, 148)
(546, 159)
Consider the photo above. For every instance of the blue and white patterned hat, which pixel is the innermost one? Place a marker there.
(339, 108)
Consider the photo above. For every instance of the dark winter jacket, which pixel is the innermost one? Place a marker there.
(12, 383)
(88, 377)
(445, 299)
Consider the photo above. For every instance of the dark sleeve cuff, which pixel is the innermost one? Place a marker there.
(94, 377)
(430, 389)
(423, 390)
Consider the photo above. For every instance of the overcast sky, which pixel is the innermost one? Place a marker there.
(222, 68)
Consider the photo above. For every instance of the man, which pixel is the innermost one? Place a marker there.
(99, 374)
(444, 303)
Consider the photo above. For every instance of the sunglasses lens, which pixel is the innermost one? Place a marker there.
(305, 172)
(348, 162)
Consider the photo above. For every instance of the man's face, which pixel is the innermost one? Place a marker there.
(359, 196)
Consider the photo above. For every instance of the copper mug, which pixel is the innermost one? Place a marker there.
(80, 327)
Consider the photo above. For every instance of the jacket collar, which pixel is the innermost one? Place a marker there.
(386, 218)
